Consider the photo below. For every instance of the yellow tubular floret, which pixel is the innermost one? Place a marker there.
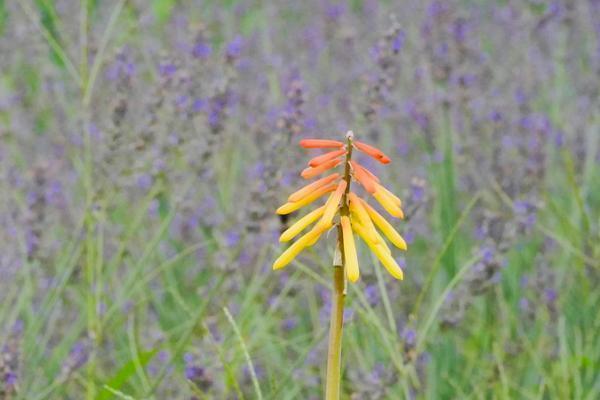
(382, 252)
(362, 232)
(301, 224)
(388, 203)
(331, 206)
(388, 262)
(305, 241)
(391, 195)
(296, 205)
(357, 208)
(385, 227)
(351, 259)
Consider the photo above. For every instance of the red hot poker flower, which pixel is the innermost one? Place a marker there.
(343, 207)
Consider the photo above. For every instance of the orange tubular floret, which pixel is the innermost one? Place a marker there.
(372, 151)
(311, 187)
(320, 144)
(318, 160)
(311, 172)
(362, 177)
(292, 206)
(371, 175)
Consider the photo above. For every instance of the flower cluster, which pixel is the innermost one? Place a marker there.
(355, 213)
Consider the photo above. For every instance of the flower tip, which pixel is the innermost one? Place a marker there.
(284, 209)
(353, 276)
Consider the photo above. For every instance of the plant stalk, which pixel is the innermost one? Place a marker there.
(334, 355)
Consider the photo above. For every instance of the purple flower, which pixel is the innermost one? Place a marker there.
(167, 70)
(199, 105)
(398, 41)
(144, 181)
(409, 336)
(372, 294)
(202, 49)
(10, 379)
(234, 48)
(193, 372)
(232, 238)
(550, 295)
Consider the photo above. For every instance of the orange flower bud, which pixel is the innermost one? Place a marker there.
(299, 194)
(318, 160)
(371, 175)
(362, 177)
(372, 151)
(311, 172)
(320, 144)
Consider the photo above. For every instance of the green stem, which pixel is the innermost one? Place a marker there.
(334, 355)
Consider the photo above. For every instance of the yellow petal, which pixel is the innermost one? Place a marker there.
(351, 259)
(288, 256)
(296, 205)
(388, 261)
(385, 227)
(301, 224)
(357, 208)
(331, 206)
(388, 203)
(362, 232)
(391, 195)
(321, 230)
(382, 252)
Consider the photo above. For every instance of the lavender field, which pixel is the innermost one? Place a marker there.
(146, 144)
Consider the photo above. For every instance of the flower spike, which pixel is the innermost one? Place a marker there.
(343, 207)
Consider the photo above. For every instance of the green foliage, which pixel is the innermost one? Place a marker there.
(50, 21)
(3, 15)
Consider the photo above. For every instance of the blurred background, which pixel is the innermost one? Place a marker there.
(144, 146)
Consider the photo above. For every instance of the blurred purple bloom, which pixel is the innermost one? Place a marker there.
(232, 238)
(234, 48)
(167, 69)
(398, 41)
(202, 49)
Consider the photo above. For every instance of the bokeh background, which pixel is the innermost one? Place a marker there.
(144, 146)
